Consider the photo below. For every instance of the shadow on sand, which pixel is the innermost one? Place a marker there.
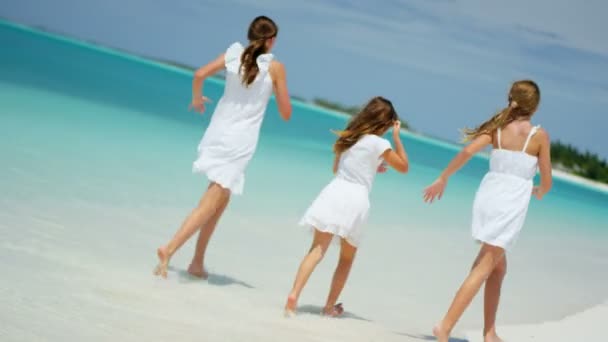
(423, 337)
(316, 310)
(214, 279)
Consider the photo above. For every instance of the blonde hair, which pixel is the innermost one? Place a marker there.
(260, 31)
(524, 98)
(376, 117)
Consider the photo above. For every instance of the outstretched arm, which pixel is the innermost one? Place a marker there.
(279, 80)
(437, 188)
(198, 99)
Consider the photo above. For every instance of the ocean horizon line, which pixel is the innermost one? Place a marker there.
(187, 71)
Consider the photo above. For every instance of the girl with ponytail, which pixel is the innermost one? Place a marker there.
(252, 74)
(341, 208)
(502, 200)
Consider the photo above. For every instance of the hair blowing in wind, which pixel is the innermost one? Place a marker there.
(524, 98)
(375, 118)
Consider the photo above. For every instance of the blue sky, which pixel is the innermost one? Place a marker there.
(446, 64)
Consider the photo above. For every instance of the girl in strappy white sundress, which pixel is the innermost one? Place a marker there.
(231, 138)
(501, 203)
(341, 208)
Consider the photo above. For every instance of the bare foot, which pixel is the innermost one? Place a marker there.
(291, 306)
(441, 334)
(163, 262)
(333, 311)
(492, 338)
(198, 271)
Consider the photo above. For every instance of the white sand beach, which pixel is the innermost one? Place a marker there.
(72, 274)
(588, 325)
(90, 188)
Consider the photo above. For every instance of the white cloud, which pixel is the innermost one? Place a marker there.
(484, 44)
(576, 24)
(472, 39)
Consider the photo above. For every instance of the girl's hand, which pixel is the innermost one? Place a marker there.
(537, 192)
(198, 104)
(382, 168)
(435, 190)
(396, 128)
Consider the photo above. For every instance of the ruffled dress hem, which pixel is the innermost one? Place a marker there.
(495, 243)
(235, 186)
(334, 229)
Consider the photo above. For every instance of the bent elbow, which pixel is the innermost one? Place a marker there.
(199, 75)
(404, 168)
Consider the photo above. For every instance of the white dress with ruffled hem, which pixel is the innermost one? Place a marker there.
(343, 205)
(501, 202)
(232, 136)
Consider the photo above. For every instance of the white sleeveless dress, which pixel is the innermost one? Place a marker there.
(342, 206)
(501, 203)
(232, 136)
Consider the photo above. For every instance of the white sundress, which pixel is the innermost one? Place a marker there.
(342, 207)
(232, 136)
(502, 200)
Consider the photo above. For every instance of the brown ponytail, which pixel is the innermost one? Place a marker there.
(260, 31)
(524, 98)
(375, 118)
(499, 120)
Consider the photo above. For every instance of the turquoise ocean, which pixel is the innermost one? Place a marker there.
(96, 154)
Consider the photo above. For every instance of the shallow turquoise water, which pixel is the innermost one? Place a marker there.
(86, 130)
(36, 61)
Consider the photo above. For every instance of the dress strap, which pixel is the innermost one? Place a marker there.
(532, 132)
(498, 137)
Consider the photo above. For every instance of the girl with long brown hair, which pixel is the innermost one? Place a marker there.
(342, 207)
(502, 200)
(252, 74)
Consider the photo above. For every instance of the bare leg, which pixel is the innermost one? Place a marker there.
(488, 258)
(347, 256)
(213, 199)
(319, 246)
(197, 266)
(491, 299)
